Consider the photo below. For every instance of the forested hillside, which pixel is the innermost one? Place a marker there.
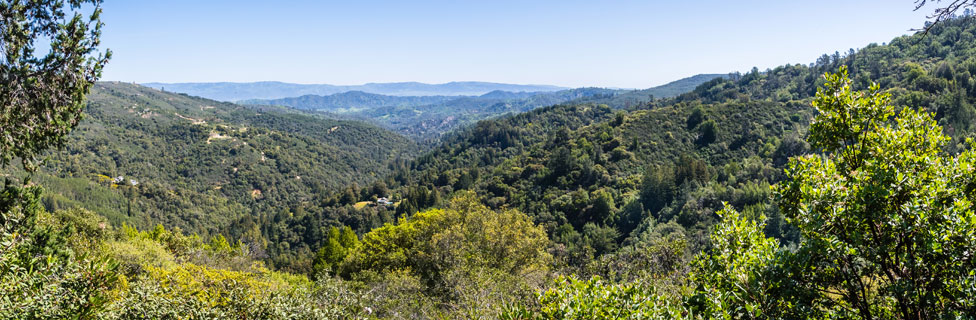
(592, 176)
(144, 157)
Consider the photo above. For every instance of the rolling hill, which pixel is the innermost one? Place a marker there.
(143, 157)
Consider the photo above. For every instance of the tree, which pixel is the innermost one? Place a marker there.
(596, 298)
(602, 238)
(465, 237)
(42, 96)
(887, 216)
(658, 188)
(729, 279)
(603, 208)
(696, 117)
(41, 100)
(334, 250)
(562, 162)
(380, 189)
(348, 239)
(708, 132)
(887, 219)
(331, 253)
(465, 181)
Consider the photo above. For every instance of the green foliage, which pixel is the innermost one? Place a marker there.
(466, 255)
(64, 269)
(465, 235)
(696, 117)
(878, 224)
(42, 274)
(888, 214)
(596, 299)
(334, 250)
(254, 175)
(708, 131)
(218, 244)
(566, 165)
(43, 94)
(886, 219)
(730, 278)
(44, 271)
(644, 281)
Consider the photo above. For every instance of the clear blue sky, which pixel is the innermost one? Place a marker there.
(630, 44)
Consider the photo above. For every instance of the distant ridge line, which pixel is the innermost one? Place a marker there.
(236, 91)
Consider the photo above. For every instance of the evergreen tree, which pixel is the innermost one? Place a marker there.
(41, 100)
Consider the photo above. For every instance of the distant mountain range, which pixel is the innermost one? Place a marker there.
(350, 101)
(429, 116)
(237, 91)
(353, 101)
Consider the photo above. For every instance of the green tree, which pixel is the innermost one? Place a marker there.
(730, 279)
(41, 100)
(562, 162)
(603, 210)
(328, 256)
(218, 244)
(887, 220)
(596, 298)
(708, 132)
(465, 237)
(42, 96)
(658, 188)
(334, 250)
(696, 117)
(348, 238)
(888, 212)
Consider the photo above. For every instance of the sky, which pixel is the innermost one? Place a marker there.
(621, 44)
